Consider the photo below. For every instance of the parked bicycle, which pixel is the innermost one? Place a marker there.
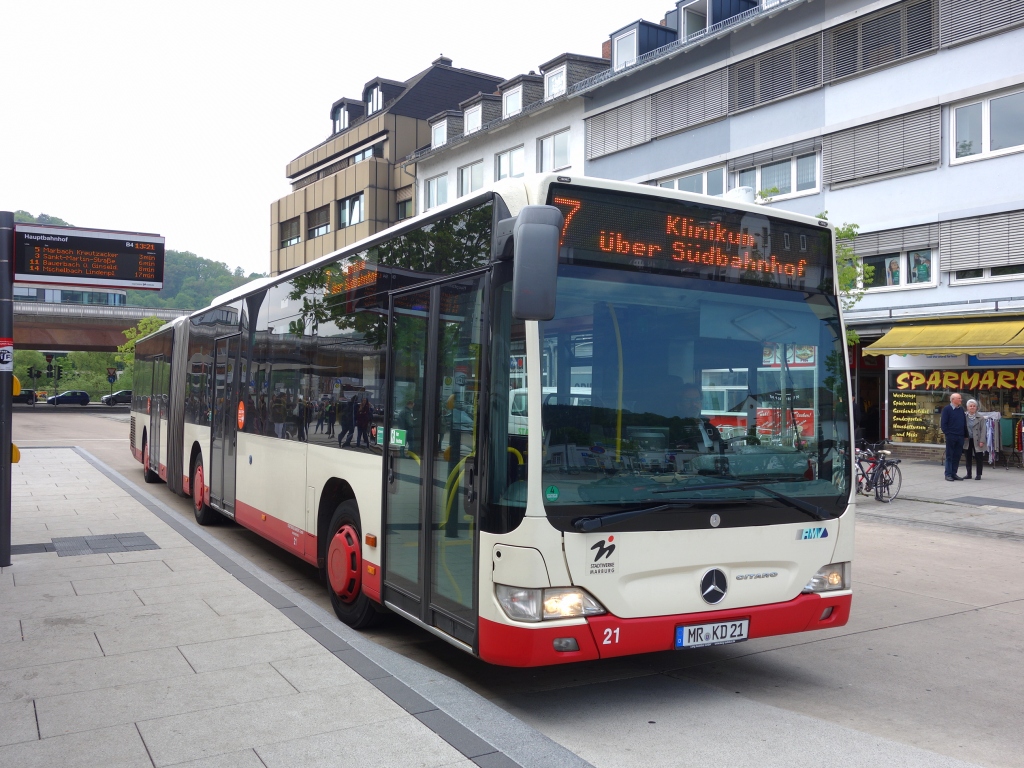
(877, 471)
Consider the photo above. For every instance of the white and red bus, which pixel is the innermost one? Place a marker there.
(561, 419)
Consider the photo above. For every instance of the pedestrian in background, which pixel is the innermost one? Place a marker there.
(975, 439)
(953, 424)
(363, 417)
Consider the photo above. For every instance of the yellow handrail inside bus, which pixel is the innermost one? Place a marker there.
(618, 405)
(415, 457)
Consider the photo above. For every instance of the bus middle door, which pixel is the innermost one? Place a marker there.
(430, 506)
(224, 425)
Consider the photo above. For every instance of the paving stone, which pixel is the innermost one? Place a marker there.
(311, 673)
(10, 630)
(402, 743)
(239, 651)
(89, 674)
(17, 722)
(119, 622)
(245, 758)
(118, 747)
(85, 571)
(48, 650)
(202, 590)
(229, 729)
(137, 702)
(14, 594)
(71, 605)
(158, 577)
(192, 630)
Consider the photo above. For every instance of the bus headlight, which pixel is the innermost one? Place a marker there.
(524, 604)
(832, 577)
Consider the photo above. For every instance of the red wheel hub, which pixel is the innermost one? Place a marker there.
(344, 562)
(198, 489)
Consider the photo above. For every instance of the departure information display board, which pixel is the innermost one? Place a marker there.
(88, 257)
(659, 234)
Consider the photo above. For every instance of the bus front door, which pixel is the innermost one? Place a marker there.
(224, 425)
(430, 505)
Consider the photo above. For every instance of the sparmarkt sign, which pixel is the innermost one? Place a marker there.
(966, 379)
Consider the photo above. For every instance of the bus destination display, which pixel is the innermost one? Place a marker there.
(88, 257)
(664, 235)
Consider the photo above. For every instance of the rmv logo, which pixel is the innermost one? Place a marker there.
(813, 533)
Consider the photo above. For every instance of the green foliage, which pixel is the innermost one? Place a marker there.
(126, 352)
(190, 282)
(766, 195)
(24, 217)
(853, 273)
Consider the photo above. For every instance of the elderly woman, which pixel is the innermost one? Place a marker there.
(975, 442)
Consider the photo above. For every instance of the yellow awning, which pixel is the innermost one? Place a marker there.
(1006, 338)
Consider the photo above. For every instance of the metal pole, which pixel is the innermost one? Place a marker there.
(6, 378)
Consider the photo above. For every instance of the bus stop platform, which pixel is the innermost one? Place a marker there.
(130, 637)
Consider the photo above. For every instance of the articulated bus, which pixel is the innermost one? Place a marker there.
(561, 419)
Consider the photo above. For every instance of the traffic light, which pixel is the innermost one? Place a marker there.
(60, 371)
(49, 371)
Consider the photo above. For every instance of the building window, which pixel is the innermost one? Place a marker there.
(512, 102)
(439, 134)
(472, 118)
(290, 232)
(554, 83)
(350, 211)
(435, 191)
(340, 120)
(893, 270)
(989, 127)
(709, 182)
(471, 178)
(625, 50)
(404, 209)
(783, 178)
(988, 273)
(377, 150)
(511, 162)
(318, 222)
(374, 100)
(554, 152)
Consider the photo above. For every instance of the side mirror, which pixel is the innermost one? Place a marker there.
(537, 231)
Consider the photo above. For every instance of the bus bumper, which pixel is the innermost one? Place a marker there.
(603, 637)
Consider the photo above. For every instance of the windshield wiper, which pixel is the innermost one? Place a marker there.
(587, 524)
(791, 501)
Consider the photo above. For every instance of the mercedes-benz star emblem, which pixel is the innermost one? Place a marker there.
(713, 586)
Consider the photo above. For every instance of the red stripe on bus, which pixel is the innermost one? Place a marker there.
(274, 529)
(608, 636)
(658, 633)
(371, 580)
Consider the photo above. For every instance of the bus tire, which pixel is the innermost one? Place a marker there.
(205, 514)
(147, 474)
(344, 569)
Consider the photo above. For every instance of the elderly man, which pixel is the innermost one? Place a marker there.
(954, 426)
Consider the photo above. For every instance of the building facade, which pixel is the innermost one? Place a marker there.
(350, 185)
(905, 117)
(528, 124)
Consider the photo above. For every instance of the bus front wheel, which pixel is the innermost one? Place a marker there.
(147, 474)
(344, 567)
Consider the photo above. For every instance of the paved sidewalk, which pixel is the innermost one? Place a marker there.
(992, 506)
(161, 649)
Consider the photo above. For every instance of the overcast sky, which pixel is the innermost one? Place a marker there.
(179, 117)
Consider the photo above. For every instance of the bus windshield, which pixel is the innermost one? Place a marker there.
(658, 388)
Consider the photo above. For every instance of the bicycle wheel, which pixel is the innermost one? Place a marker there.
(888, 481)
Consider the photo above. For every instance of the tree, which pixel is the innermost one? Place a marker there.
(853, 274)
(126, 352)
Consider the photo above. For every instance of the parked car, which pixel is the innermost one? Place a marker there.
(27, 396)
(71, 397)
(122, 396)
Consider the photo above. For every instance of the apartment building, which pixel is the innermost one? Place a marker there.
(351, 186)
(905, 117)
(527, 124)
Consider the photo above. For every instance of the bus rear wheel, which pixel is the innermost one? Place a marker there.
(344, 569)
(205, 515)
(147, 474)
